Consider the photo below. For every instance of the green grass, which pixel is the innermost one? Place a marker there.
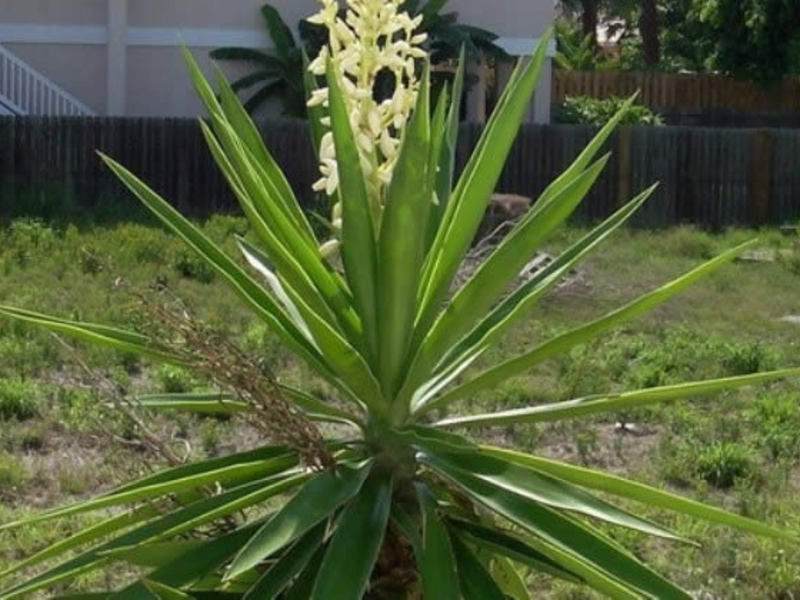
(740, 449)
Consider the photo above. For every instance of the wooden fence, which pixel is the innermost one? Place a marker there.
(674, 92)
(710, 177)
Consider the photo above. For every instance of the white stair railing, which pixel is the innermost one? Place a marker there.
(25, 91)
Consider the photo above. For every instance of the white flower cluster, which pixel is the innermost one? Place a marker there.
(374, 37)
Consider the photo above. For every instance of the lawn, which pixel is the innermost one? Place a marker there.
(741, 450)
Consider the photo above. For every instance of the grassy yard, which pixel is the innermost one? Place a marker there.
(740, 450)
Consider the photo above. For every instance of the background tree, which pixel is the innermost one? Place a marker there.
(649, 30)
(278, 74)
(751, 39)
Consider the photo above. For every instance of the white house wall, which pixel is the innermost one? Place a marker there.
(120, 56)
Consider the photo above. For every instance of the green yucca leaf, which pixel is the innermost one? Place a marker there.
(340, 355)
(236, 499)
(287, 289)
(476, 582)
(124, 341)
(235, 473)
(164, 592)
(438, 140)
(469, 200)
(445, 173)
(564, 342)
(571, 544)
(102, 555)
(509, 579)
(228, 106)
(619, 486)
(304, 584)
(359, 248)
(587, 154)
(85, 536)
(269, 172)
(516, 305)
(501, 269)
(204, 404)
(264, 453)
(188, 568)
(315, 502)
(512, 546)
(288, 566)
(354, 547)
(84, 596)
(542, 489)
(225, 404)
(253, 294)
(325, 293)
(156, 555)
(615, 402)
(317, 410)
(401, 244)
(436, 560)
(299, 259)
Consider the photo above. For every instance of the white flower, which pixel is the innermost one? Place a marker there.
(373, 36)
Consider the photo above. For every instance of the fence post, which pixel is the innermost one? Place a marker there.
(761, 177)
(625, 171)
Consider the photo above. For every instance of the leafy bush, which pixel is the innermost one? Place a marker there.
(585, 110)
(188, 265)
(18, 399)
(26, 238)
(723, 464)
(174, 380)
(689, 242)
(776, 419)
(745, 358)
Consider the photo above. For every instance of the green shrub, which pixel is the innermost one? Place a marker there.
(746, 358)
(223, 227)
(25, 238)
(12, 472)
(174, 380)
(188, 265)
(689, 242)
(723, 464)
(584, 110)
(18, 399)
(776, 420)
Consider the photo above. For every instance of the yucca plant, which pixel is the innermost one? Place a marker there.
(400, 504)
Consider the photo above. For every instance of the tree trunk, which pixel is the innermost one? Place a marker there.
(589, 20)
(649, 29)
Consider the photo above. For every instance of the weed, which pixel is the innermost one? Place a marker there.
(188, 265)
(174, 380)
(689, 242)
(12, 472)
(209, 437)
(73, 481)
(723, 464)
(18, 399)
(746, 358)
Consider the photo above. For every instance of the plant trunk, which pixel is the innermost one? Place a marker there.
(649, 29)
(395, 576)
(589, 20)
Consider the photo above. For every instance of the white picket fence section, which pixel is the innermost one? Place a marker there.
(25, 91)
